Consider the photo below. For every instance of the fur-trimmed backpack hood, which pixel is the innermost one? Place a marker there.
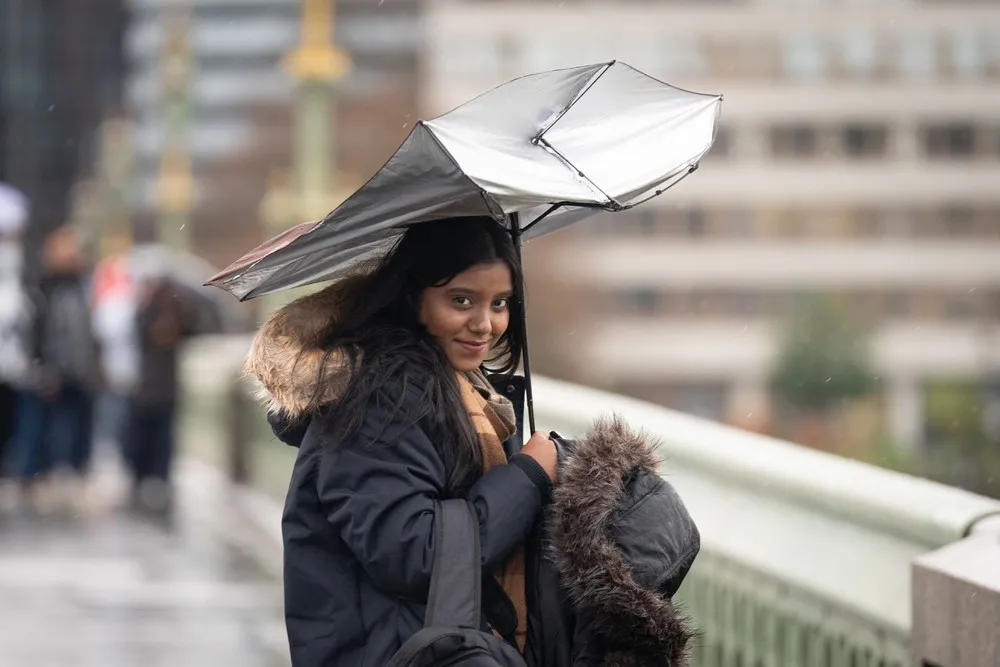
(622, 542)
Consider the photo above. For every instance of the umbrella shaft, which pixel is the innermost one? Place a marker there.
(515, 232)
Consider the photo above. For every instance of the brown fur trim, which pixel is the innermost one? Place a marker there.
(645, 626)
(286, 355)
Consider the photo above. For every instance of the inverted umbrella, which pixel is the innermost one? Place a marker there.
(535, 154)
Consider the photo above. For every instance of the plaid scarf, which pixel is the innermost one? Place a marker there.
(492, 416)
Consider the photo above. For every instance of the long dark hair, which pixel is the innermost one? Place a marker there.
(379, 329)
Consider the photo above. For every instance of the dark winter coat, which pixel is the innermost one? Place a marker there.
(603, 556)
(164, 321)
(64, 351)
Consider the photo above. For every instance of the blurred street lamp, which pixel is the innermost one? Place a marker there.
(314, 187)
(175, 188)
(101, 205)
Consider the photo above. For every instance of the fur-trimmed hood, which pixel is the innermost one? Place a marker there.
(623, 542)
(286, 355)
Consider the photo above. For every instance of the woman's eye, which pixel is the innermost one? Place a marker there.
(462, 301)
(501, 304)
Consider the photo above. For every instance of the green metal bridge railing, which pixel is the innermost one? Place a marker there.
(806, 557)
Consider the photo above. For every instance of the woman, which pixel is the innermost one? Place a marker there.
(379, 379)
(401, 414)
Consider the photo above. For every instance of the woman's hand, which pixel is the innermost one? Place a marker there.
(543, 450)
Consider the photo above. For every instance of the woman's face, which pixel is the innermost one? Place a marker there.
(469, 314)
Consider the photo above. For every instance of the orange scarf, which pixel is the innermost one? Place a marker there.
(492, 416)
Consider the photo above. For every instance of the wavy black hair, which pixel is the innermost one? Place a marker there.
(379, 329)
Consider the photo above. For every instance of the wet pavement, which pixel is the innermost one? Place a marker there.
(103, 587)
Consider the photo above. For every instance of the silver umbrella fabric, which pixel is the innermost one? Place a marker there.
(551, 147)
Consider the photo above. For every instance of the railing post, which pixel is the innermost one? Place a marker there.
(956, 602)
(238, 413)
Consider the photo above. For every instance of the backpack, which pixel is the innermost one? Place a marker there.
(451, 635)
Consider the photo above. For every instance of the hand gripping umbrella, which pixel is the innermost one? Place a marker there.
(536, 154)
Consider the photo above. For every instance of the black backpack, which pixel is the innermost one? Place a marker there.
(451, 635)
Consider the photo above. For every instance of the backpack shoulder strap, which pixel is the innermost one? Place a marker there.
(455, 598)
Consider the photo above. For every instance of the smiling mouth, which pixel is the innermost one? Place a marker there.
(475, 347)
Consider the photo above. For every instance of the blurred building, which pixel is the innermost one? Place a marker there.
(240, 101)
(859, 154)
(60, 72)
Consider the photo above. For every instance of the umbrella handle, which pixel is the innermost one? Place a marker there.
(515, 233)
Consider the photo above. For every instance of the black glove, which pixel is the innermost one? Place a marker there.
(564, 449)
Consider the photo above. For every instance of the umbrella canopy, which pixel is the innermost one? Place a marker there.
(547, 149)
(186, 273)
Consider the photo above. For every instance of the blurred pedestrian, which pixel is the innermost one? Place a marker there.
(113, 307)
(164, 320)
(56, 409)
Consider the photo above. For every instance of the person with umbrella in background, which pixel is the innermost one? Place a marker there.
(165, 318)
(398, 385)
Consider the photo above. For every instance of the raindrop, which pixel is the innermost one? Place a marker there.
(404, 125)
(571, 332)
(749, 415)
(828, 379)
(183, 226)
(971, 290)
(52, 107)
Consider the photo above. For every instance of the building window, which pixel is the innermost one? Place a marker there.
(896, 304)
(639, 301)
(707, 401)
(644, 221)
(803, 58)
(918, 57)
(959, 221)
(682, 58)
(794, 141)
(723, 146)
(968, 56)
(735, 223)
(860, 55)
(684, 222)
(894, 224)
(864, 141)
(748, 58)
(961, 306)
(949, 140)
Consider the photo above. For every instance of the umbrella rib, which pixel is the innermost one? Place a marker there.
(677, 178)
(582, 176)
(576, 98)
(539, 139)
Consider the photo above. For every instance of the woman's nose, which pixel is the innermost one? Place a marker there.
(481, 323)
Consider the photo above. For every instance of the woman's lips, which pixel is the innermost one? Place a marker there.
(472, 346)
